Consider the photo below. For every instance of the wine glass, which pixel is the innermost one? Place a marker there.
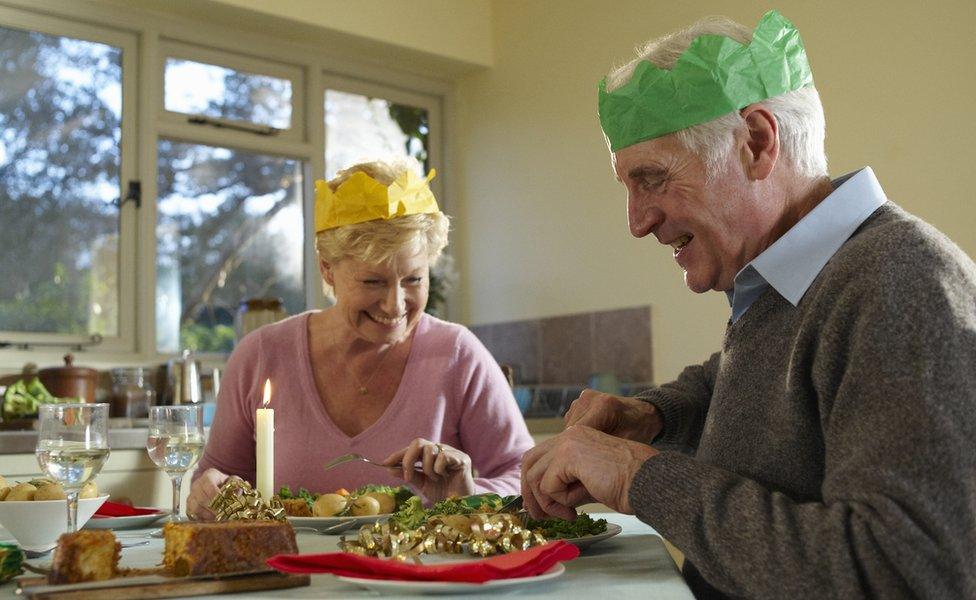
(72, 446)
(175, 444)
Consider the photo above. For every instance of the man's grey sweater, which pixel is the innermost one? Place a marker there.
(835, 440)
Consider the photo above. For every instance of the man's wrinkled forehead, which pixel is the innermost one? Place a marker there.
(651, 158)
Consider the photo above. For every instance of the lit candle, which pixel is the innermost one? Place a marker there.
(265, 446)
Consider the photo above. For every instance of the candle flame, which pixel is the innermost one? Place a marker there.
(267, 392)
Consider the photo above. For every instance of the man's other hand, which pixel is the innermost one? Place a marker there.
(577, 466)
(622, 417)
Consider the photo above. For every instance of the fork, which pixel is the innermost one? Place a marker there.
(351, 457)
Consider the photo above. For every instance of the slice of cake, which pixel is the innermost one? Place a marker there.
(225, 547)
(85, 556)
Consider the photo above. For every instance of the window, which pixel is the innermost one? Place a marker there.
(150, 228)
(359, 127)
(229, 227)
(200, 89)
(61, 171)
(229, 222)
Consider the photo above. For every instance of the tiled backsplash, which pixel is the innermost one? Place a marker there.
(569, 349)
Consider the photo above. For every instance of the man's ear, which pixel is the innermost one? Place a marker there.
(760, 149)
(325, 268)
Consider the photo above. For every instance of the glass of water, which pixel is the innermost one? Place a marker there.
(175, 443)
(72, 446)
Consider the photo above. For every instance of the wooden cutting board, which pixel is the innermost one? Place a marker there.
(157, 586)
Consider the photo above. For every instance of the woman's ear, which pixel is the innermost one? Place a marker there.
(760, 149)
(325, 268)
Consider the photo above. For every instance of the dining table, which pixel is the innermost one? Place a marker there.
(633, 564)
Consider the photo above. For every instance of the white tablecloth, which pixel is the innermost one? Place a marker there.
(634, 564)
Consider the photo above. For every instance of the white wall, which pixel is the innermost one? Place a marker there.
(542, 222)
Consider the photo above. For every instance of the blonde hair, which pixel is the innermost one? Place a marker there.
(799, 114)
(379, 241)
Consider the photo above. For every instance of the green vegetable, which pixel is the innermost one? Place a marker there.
(11, 561)
(400, 493)
(412, 514)
(555, 529)
(23, 398)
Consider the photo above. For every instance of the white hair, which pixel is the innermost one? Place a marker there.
(799, 114)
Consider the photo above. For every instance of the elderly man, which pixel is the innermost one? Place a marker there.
(834, 434)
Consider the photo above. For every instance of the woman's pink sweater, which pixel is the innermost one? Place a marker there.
(452, 392)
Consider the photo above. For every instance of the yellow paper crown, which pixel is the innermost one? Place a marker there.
(361, 198)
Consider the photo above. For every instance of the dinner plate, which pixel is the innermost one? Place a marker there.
(588, 540)
(130, 522)
(394, 587)
(336, 522)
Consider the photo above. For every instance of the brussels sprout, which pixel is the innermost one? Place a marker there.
(11, 561)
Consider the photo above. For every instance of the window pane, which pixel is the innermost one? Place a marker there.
(360, 128)
(60, 127)
(201, 89)
(229, 228)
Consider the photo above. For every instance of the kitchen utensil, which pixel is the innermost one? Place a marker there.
(132, 393)
(184, 380)
(70, 381)
(351, 457)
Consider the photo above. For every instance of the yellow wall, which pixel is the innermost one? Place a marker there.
(457, 29)
(542, 226)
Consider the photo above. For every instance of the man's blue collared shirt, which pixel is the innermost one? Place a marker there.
(792, 262)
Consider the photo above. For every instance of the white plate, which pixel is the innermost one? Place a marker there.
(588, 540)
(129, 522)
(337, 522)
(394, 587)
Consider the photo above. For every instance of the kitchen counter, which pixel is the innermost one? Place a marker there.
(22, 442)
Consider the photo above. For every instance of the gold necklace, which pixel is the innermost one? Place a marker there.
(361, 386)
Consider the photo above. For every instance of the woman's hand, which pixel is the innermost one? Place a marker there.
(446, 470)
(202, 492)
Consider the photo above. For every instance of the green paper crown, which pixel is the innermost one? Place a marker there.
(714, 76)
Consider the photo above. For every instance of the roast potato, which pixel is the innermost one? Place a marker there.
(89, 490)
(365, 506)
(21, 492)
(387, 502)
(329, 505)
(51, 491)
(3, 493)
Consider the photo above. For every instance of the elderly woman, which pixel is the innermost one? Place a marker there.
(372, 374)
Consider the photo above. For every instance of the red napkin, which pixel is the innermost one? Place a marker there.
(528, 563)
(114, 509)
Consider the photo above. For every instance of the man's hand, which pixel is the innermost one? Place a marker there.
(577, 466)
(202, 492)
(622, 417)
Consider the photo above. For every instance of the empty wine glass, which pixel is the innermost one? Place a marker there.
(72, 446)
(175, 444)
